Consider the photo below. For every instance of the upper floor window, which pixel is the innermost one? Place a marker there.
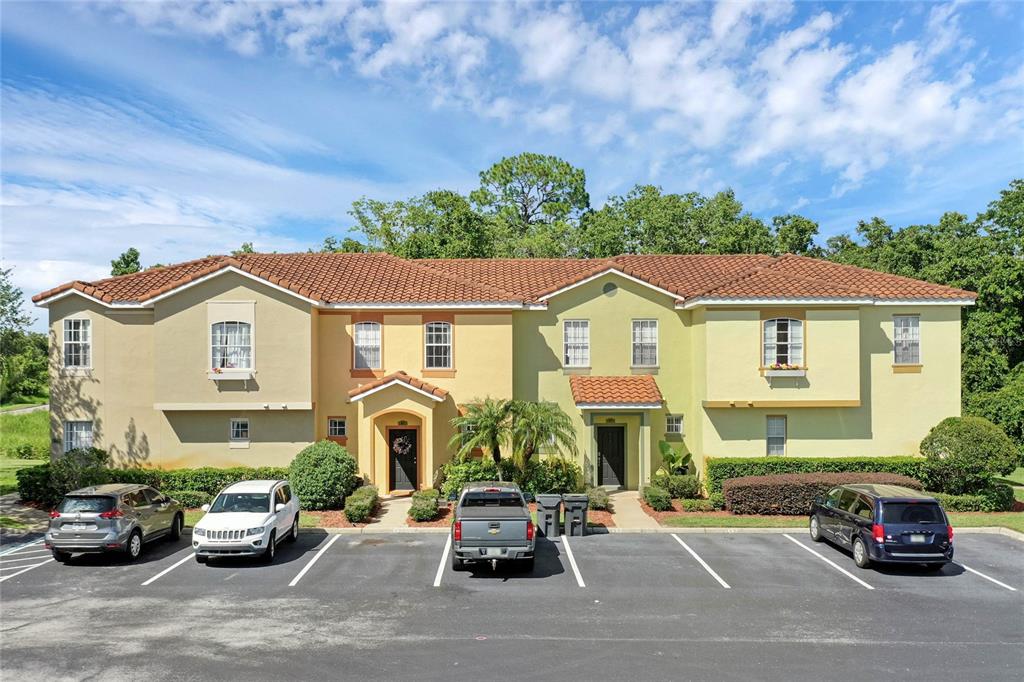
(906, 339)
(231, 345)
(77, 343)
(645, 343)
(776, 435)
(438, 351)
(577, 343)
(783, 342)
(367, 345)
(77, 435)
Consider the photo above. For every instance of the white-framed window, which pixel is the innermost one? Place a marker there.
(776, 434)
(906, 344)
(438, 351)
(674, 424)
(239, 430)
(645, 343)
(336, 427)
(77, 435)
(77, 342)
(231, 345)
(576, 334)
(367, 345)
(783, 342)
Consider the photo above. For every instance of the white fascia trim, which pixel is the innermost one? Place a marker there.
(237, 271)
(925, 301)
(609, 271)
(536, 306)
(618, 406)
(694, 302)
(393, 382)
(421, 306)
(123, 306)
(236, 407)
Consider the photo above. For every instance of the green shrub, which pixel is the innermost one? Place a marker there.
(78, 469)
(657, 498)
(211, 480)
(551, 475)
(598, 499)
(150, 477)
(697, 505)
(34, 485)
(190, 499)
(424, 505)
(360, 504)
(26, 451)
(717, 501)
(28, 432)
(793, 493)
(681, 487)
(459, 473)
(718, 469)
(964, 453)
(322, 475)
(995, 498)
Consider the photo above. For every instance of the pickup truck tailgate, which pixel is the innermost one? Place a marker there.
(494, 526)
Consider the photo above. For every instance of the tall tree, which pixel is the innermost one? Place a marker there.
(346, 245)
(485, 425)
(13, 318)
(127, 263)
(246, 247)
(795, 234)
(537, 425)
(22, 353)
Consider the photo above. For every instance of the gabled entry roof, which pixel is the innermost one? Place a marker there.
(639, 391)
(399, 378)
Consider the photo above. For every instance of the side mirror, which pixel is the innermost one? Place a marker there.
(205, 507)
(279, 507)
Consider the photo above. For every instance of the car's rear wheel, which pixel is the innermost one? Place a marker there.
(177, 525)
(200, 559)
(860, 554)
(815, 529)
(457, 563)
(293, 533)
(527, 565)
(271, 551)
(134, 546)
(62, 557)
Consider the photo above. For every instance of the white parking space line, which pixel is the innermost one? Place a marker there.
(316, 558)
(168, 569)
(702, 562)
(829, 562)
(979, 573)
(572, 562)
(12, 550)
(25, 570)
(444, 560)
(10, 560)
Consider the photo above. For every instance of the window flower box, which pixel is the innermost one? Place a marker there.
(780, 370)
(230, 374)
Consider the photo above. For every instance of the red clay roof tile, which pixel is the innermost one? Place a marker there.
(402, 377)
(637, 389)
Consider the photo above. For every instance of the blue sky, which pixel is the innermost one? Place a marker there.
(187, 128)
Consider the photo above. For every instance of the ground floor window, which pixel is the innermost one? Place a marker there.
(674, 424)
(776, 435)
(336, 427)
(239, 430)
(77, 435)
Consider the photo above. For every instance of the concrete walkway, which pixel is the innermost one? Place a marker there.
(26, 410)
(626, 511)
(393, 513)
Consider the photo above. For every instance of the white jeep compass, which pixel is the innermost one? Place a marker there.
(247, 519)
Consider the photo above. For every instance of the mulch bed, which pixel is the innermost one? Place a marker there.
(443, 520)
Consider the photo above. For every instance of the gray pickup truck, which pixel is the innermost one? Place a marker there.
(492, 524)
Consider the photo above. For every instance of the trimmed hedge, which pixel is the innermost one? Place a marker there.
(598, 499)
(458, 473)
(190, 499)
(964, 453)
(718, 469)
(996, 498)
(697, 505)
(211, 480)
(424, 505)
(322, 475)
(793, 493)
(681, 487)
(359, 505)
(657, 498)
(717, 501)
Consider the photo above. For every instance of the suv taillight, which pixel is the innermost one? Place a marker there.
(54, 514)
(529, 530)
(949, 532)
(878, 532)
(112, 514)
(458, 531)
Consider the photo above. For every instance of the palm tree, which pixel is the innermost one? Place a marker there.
(485, 425)
(537, 424)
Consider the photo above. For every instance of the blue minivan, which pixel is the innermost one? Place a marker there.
(884, 524)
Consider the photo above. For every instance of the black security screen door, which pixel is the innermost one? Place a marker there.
(611, 450)
(402, 451)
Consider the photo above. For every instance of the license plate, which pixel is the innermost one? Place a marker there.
(483, 551)
(917, 537)
(79, 526)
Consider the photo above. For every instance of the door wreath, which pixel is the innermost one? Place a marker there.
(402, 446)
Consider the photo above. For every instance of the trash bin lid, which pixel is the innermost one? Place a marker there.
(549, 499)
(575, 497)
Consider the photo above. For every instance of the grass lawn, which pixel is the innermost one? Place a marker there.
(1016, 478)
(725, 521)
(8, 482)
(8, 522)
(25, 429)
(1011, 520)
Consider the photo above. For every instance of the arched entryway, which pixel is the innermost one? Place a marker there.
(399, 441)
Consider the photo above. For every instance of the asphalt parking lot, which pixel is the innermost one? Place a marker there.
(646, 606)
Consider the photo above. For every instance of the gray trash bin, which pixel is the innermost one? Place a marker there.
(549, 513)
(576, 514)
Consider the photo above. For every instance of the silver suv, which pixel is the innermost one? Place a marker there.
(114, 517)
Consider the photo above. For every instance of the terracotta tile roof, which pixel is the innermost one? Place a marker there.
(638, 389)
(402, 377)
(344, 278)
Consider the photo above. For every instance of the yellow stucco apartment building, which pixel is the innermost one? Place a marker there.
(244, 360)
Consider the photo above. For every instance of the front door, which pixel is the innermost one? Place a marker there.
(402, 446)
(611, 455)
